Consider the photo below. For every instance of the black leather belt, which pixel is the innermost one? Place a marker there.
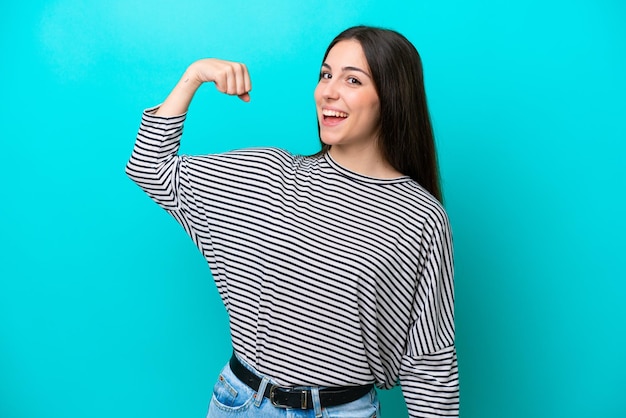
(284, 397)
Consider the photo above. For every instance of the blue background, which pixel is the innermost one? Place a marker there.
(106, 307)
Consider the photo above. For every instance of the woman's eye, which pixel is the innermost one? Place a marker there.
(353, 80)
(326, 76)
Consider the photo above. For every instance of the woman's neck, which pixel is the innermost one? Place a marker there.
(367, 161)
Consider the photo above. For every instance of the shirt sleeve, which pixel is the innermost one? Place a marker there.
(156, 167)
(429, 370)
(154, 164)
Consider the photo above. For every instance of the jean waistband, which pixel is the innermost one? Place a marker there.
(296, 397)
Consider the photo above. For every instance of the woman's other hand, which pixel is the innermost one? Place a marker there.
(229, 77)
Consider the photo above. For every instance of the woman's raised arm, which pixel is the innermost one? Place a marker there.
(229, 77)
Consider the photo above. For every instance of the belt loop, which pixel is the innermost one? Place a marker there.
(261, 391)
(317, 404)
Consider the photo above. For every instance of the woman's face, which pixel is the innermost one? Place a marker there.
(348, 109)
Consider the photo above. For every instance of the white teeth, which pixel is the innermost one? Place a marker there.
(334, 113)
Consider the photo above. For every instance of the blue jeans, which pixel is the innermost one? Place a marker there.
(234, 399)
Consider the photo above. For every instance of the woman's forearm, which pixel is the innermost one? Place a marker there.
(177, 102)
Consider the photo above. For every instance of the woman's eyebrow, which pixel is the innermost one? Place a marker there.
(348, 68)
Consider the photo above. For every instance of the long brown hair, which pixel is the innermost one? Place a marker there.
(406, 135)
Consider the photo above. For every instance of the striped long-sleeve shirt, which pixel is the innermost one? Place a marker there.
(329, 277)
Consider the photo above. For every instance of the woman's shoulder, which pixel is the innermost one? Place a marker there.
(420, 204)
(261, 152)
(271, 155)
(273, 159)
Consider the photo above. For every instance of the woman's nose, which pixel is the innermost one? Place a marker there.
(330, 90)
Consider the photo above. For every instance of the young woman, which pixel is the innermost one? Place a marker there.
(335, 269)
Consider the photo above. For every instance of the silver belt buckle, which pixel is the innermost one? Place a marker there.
(303, 397)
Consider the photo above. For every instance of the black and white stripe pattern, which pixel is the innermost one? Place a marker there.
(329, 277)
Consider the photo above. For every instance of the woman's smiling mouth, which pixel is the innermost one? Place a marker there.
(333, 117)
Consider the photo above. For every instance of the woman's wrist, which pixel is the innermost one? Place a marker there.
(191, 78)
